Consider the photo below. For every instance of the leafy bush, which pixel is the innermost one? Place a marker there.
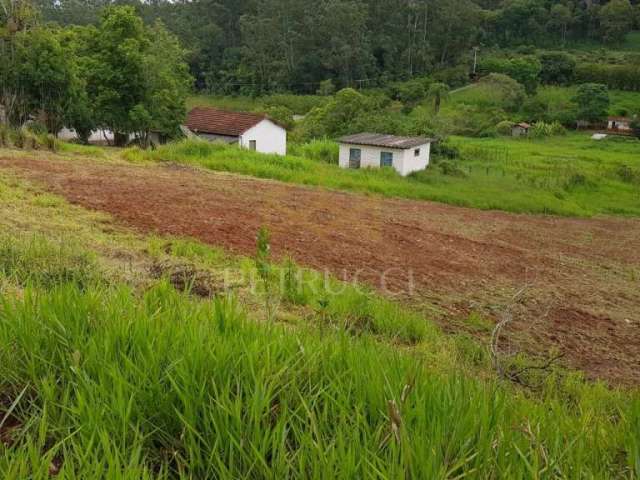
(509, 92)
(444, 149)
(23, 138)
(558, 68)
(348, 111)
(409, 92)
(525, 70)
(281, 115)
(326, 88)
(451, 169)
(37, 128)
(593, 102)
(455, 77)
(543, 129)
(504, 127)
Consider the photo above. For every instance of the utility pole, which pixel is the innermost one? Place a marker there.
(475, 59)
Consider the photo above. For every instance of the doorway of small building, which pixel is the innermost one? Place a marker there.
(252, 145)
(386, 159)
(355, 154)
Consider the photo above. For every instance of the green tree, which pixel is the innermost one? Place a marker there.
(346, 52)
(525, 70)
(167, 84)
(117, 81)
(521, 22)
(80, 114)
(137, 77)
(438, 92)
(327, 88)
(616, 20)
(338, 115)
(16, 17)
(45, 78)
(510, 92)
(560, 18)
(592, 100)
(558, 68)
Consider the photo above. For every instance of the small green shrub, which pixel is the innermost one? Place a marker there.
(543, 129)
(4, 135)
(504, 127)
(281, 115)
(627, 174)
(575, 181)
(37, 128)
(50, 142)
(444, 149)
(25, 139)
(451, 169)
(19, 138)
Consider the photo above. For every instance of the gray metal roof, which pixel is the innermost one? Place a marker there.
(381, 140)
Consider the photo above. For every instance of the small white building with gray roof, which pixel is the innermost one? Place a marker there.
(373, 150)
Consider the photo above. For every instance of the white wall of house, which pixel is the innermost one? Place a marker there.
(269, 138)
(623, 125)
(404, 161)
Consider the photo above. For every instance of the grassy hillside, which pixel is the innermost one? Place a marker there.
(297, 104)
(555, 99)
(108, 371)
(570, 175)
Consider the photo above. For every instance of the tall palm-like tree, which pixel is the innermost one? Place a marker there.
(438, 92)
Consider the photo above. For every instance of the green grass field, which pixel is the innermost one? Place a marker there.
(568, 175)
(557, 98)
(109, 372)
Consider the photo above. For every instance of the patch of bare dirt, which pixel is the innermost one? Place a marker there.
(583, 274)
(187, 278)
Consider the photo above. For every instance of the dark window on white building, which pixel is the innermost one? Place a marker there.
(386, 159)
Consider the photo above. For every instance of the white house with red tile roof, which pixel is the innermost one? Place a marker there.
(248, 130)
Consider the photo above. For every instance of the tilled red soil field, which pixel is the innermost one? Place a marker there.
(581, 276)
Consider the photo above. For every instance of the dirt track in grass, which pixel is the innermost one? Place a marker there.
(581, 277)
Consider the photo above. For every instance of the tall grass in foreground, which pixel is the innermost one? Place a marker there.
(113, 385)
(535, 178)
(38, 262)
(324, 150)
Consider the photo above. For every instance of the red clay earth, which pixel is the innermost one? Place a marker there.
(581, 276)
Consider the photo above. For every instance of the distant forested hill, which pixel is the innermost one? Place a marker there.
(253, 46)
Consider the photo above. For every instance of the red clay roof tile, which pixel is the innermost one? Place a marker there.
(221, 122)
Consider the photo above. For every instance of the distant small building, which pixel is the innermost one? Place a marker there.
(619, 125)
(248, 130)
(520, 129)
(373, 150)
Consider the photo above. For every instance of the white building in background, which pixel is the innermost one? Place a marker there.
(619, 125)
(374, 150)
(248, 130)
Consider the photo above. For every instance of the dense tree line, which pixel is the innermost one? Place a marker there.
(253, 46)
(118, 75)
